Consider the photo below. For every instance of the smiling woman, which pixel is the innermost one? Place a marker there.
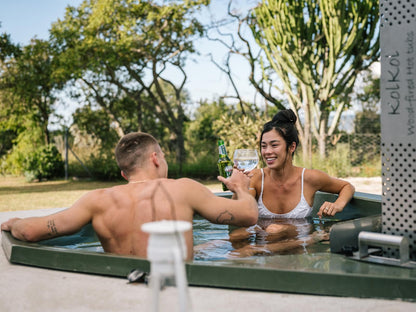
(283, 190)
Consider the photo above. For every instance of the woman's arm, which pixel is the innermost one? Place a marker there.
(325, 183)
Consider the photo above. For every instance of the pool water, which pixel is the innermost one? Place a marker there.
(216, 242)
(213, 241)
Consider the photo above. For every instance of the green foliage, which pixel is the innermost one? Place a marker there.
(6, 141)
(204, 168)
(98, 124)
(201, 137)
(312, 52)
(26, 142)
(339, 161)
(239, 131)
(367, 121)
(7, 48)
(214, 121)
(336, 164)
(121, 49)
(369, 96)
(43, 163)
(371, 152)
(30, 157)
(103, 167)
(27, 87)
(117, 52)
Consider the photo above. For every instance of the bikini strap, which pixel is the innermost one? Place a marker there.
(262, 182)
(303, 171)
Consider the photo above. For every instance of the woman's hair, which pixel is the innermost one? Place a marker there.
(284, 123)
(132, 149)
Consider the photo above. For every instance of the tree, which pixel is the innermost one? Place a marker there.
(201, 137)
(311, 51)
(9, 129)
(121, 49)
(7, 48)
(368, 119)
(27, 86)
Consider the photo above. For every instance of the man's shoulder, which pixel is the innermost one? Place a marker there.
(102, 193)
(182, 181)
(184, 184)
(185, 180)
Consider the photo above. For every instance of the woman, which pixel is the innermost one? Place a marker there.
(283, 190)
(285, 194)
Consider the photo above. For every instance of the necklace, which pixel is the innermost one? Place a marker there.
(141, 181)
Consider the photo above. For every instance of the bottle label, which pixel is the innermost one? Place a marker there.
(228, 171)
(221, 150)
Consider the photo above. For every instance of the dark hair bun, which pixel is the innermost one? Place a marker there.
(285, 116)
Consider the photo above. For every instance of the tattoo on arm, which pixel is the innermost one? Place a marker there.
(225, 217)
(52, 228)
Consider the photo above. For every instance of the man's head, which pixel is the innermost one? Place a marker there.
(134, 150)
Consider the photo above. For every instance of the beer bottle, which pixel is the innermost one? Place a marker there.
(225, 165)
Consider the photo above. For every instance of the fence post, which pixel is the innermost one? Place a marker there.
(66, 152)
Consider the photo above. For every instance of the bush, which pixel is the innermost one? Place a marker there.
(104, 168)
(338, 163)
(43, 163)
(206, 168)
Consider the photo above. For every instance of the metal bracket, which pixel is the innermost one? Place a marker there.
(366, 239)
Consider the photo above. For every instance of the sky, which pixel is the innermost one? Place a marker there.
(26, 19)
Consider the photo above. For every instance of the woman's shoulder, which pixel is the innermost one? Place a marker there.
(316, 177)
(255, 177)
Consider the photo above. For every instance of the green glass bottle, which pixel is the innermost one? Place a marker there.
(225, 165)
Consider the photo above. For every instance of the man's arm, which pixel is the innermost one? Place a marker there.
(61, 223)
(240, 211)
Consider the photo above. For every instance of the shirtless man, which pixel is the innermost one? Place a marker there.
(117, 213)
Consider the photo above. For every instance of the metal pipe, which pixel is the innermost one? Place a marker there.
(366, 239)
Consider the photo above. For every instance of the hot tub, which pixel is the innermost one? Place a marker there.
(318, 272)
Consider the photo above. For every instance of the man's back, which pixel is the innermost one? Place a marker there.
(120, 211)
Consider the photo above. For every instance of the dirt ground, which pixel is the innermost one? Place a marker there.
(366, 185)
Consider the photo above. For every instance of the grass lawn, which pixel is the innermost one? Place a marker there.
(17, 194)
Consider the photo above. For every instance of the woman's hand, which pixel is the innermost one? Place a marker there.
(247, 173)
(328, 209)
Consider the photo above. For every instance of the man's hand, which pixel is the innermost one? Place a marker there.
(7, 226)
(237, 182)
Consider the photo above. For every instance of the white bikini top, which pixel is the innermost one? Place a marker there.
(302, 209)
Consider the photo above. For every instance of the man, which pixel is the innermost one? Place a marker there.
(117, 213)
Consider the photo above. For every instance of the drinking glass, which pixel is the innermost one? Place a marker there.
(246, 159)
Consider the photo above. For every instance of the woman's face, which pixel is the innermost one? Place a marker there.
(274, 149)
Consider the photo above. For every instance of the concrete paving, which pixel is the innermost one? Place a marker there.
(24, 288)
